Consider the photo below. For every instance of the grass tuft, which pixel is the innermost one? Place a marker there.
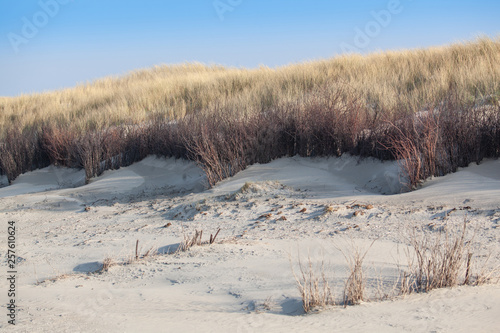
(442, 260)
(313, 285)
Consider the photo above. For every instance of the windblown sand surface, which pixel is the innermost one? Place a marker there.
(268, 216)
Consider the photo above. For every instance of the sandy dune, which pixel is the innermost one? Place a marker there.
(243, 282)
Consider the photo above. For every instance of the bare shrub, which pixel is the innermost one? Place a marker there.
(58, 143)
(165, 138)
(321, 123)
(324, 122)
(452, 133)
(470, 133)
(89, 154)
(413, 143)
(21, 151)
(216, 144)
(112, 147)
(313, 285)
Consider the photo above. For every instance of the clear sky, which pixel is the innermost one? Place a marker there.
(51, 44)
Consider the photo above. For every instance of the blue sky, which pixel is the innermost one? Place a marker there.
(52, 44)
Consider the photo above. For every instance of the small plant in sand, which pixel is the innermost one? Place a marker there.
(354, 290)
(150, 252)
(441, 260)
(190, 241)
(330, 209)
(265, 306)
(196, 240)
(107, 263)
(246, 187)
(435, 260)
(313, 285)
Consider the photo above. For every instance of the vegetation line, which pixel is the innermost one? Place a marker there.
(436, 109)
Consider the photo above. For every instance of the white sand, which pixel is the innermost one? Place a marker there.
(244, 282)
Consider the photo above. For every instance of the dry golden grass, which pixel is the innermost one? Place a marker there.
(313, 285)
(354, 289)
(402, 80)
(444, 259)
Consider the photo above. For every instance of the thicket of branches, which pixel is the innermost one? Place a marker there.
(328, 122)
